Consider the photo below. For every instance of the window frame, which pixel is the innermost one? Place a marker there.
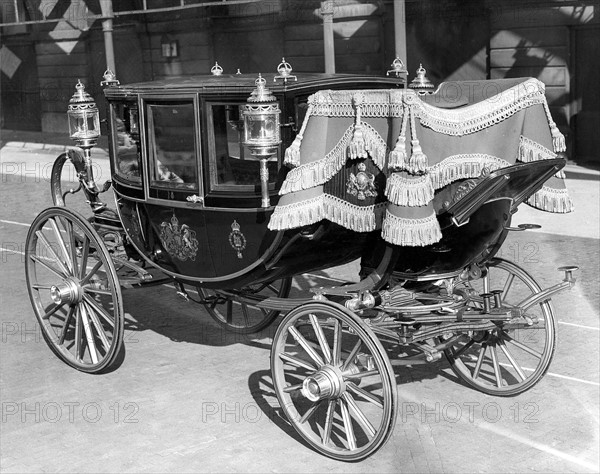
(213, 187)
(169, 192)
(137, 183)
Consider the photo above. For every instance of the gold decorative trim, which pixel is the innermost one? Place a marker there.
(551, 200)
(530, 150)
(332, 208)
(409, 191)
(465, 166)
(411, 232)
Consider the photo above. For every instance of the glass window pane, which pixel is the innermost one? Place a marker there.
(232, 163)
(171, 134)
(127, 142)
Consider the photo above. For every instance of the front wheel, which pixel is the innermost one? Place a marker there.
(74, 290)
(514, 356)
(334, 381)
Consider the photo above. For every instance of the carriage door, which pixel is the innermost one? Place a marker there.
(174, 183)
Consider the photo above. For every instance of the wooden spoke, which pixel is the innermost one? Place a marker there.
(364, 394)
(359, 415)
(96, 322)
(89, 336)
(507, 285)
(245, 315)
(292, 388)
(49, 267)
(84, 281)
(309, 412)
(99, 309)
(479, 361)
(296, 362)
(85, 252)
(337, 343)
(522, 346)
(61, 244)
(320, 337)
(61, 264)
(352, 355)
(464, 348)
(78, 339)
(329, 421)
(229, 311)
(65, 326)
(306, 346)
(350, 438)
(366, 373)
(512, 361)
(496, 366)
(91, 289)
(55, 308)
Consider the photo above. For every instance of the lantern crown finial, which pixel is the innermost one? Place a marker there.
(421, 83)
(261, 93)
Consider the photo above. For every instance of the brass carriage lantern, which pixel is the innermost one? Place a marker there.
(84, 119)
(261, 130)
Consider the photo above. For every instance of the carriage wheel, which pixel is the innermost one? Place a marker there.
(334, 381)
(74, 290)
(513, 357)
(238, 314)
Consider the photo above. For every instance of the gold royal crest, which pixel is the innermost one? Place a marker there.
(179, 241)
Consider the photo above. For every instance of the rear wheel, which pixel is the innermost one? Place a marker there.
(334, 381)
(514, 356)
(236, 310)
(74, 290)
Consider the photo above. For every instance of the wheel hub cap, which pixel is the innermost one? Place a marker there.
(69, 292)
(325, 383)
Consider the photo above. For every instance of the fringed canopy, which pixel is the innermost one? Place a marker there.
(373, 159)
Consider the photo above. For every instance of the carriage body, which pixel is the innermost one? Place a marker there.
(347, 181)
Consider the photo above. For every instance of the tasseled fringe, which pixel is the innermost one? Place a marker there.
(411, 232)
(309, 175)
(530, 150)
(457, 167)
(325, 206)
(350, 216)
(397, 159)
(418, 160)
(411, 191)
(357, 148)
(558, 139)
(552, 200)
(292, 154)
(297, 214)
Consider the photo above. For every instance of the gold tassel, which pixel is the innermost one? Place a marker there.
(357, 148)
(292, 154)
(558, 139)
(397, 159)
(418, 160)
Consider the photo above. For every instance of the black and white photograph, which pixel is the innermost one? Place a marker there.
(299, 236)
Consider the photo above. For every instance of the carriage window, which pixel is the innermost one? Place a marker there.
(171, 144)
(126, 141)
(231, 164)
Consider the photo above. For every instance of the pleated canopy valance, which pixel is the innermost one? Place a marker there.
(373, 159)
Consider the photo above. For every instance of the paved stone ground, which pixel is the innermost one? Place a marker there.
(191, 397)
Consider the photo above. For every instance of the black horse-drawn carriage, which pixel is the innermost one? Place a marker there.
(420, 187)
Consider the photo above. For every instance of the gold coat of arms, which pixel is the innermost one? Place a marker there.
(179, 241)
